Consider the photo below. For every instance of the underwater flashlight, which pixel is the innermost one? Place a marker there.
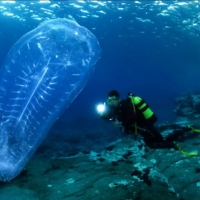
(101, 108)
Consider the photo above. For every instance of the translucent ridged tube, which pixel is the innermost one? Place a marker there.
(43, 72)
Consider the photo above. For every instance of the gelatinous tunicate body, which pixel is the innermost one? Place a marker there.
(41, 75)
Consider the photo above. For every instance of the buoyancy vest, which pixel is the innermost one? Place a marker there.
(140, 105)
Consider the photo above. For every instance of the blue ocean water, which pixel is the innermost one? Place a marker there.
(149, 48)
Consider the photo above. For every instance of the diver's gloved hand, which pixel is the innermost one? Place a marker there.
(117, 123)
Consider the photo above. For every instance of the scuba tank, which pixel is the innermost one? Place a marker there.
(140, 105)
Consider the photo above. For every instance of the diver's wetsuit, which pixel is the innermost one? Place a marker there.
(125, 114)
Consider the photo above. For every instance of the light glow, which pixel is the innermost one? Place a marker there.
(101, 108)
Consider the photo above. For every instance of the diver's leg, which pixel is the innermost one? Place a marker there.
(176, 134)
(157, 136)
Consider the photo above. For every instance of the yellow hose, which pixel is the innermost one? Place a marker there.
(192, 153)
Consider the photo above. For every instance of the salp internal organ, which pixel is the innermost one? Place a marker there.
(43, 72)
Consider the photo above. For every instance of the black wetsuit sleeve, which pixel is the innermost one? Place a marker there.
(108, 115)
(126, 114)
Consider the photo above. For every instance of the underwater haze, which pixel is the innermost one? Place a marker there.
(148, 48)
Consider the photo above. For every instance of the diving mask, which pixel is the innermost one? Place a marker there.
(112, 100)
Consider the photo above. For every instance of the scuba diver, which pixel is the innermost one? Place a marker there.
(133, 115)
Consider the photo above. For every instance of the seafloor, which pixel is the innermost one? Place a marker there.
(124, 170)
